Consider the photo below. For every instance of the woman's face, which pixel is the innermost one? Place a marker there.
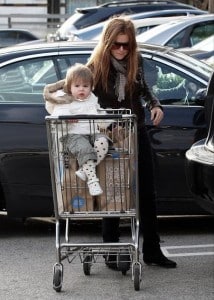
(120, 47)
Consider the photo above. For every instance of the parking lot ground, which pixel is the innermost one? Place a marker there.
(27, 255)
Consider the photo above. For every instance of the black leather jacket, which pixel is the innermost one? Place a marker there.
(133, 102)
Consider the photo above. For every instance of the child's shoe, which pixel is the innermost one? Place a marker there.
(94, 187)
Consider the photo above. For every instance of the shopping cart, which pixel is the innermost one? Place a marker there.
(118, 174)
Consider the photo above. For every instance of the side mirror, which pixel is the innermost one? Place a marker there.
(200, 96)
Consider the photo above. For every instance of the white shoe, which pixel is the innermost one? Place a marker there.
(81, 174)
(94, 187)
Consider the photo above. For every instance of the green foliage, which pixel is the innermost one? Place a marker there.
(167, 81)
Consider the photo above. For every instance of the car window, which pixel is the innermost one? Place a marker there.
(169, 85)
(8, 38)
(200, 32)
(23, 37)
(197, 34)
(24, 82)
(177, 40)
(44, 75)
(142, 29)
(65, 62)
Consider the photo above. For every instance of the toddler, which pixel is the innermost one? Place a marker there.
(74, 97)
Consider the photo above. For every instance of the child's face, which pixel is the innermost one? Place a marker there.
(80, 90)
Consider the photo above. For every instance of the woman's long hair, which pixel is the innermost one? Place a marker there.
(99, 62)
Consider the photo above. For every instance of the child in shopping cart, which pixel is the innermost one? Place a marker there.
(73, 96)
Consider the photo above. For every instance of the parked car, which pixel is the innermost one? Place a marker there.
(68, 28)
(141, 25)
(209, 61)
(84, 17)
(180, 33)
(200, 159)
(9, 37)
(202, 50)
(25, 185)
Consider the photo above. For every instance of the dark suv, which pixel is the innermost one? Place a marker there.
(84, 17)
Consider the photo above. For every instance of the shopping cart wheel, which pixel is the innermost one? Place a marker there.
(137, 276)
(57, 277)
(87, 264)
(124, 261)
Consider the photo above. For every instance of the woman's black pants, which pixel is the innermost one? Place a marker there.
(147, 200)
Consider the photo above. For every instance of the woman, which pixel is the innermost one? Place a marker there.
(119, 83)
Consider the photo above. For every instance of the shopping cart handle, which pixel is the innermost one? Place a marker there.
(93, 117)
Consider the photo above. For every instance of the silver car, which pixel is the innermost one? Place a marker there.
(67, 29)
(180, 33)
(141, 25)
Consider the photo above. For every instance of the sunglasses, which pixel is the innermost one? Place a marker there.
(117, 45)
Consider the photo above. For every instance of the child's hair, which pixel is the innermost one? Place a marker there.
(76, 73)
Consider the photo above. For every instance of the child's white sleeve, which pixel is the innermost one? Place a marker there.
(61, 110)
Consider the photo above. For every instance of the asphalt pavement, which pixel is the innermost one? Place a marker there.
(27, 255)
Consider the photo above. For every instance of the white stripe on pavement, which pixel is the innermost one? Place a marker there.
(166, 250)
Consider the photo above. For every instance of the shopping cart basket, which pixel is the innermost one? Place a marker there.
(118, 175)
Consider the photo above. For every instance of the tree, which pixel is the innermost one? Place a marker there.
(211, 6)
(204, 4)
